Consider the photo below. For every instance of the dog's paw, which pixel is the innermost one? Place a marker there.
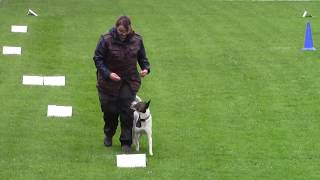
(150, 153)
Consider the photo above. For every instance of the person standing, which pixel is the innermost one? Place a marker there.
(118, 80)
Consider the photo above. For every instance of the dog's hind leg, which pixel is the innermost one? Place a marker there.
(138, 99)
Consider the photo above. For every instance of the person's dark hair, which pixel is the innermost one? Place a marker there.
(124, 21)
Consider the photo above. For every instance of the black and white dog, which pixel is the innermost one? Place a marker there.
(142, 123)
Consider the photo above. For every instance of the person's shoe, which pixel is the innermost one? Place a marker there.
(108, 141)
(126, 149)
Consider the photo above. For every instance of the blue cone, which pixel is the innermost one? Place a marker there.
(308, 44)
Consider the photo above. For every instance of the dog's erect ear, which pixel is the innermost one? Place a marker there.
(148, 103)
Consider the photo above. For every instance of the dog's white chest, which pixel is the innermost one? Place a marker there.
(144, 124)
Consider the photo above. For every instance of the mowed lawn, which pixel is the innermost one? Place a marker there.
(233, 96)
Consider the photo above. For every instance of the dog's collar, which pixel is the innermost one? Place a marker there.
(140, 119)
(138, 124)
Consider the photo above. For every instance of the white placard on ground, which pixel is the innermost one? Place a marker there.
(32, 80)
(59, 111)
(54, 81)
(11, 50)
(131, 160)
(20, 29)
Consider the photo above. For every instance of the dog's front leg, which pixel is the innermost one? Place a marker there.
(134, 139)
(137, 137)
(150, 143)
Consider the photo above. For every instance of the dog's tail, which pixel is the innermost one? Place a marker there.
(138, 99)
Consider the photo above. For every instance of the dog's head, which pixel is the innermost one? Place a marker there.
(141, 107)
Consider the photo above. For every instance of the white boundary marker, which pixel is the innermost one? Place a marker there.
(59, 111)
(44, 80)
(19, 29)
(54, 81)
(30, 12)
(131, 160)
(32, 80)
(11, 50)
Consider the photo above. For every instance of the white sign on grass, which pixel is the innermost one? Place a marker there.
(32, 80)
(20, 29)
(11, 50)
(59, 111)
(54, 81)
(131, 160)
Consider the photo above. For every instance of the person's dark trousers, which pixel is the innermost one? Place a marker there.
(126, 113)
(110, 123)
(112, 108)
(126, 121)
(110, 113)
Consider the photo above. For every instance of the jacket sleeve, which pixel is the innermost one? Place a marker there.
(99, 55)
(142, 58)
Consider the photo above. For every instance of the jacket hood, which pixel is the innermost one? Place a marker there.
(113, 32)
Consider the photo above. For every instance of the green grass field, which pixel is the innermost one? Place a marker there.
(233, 96)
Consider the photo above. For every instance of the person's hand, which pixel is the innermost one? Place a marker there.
(114, 77)
(143, 73)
